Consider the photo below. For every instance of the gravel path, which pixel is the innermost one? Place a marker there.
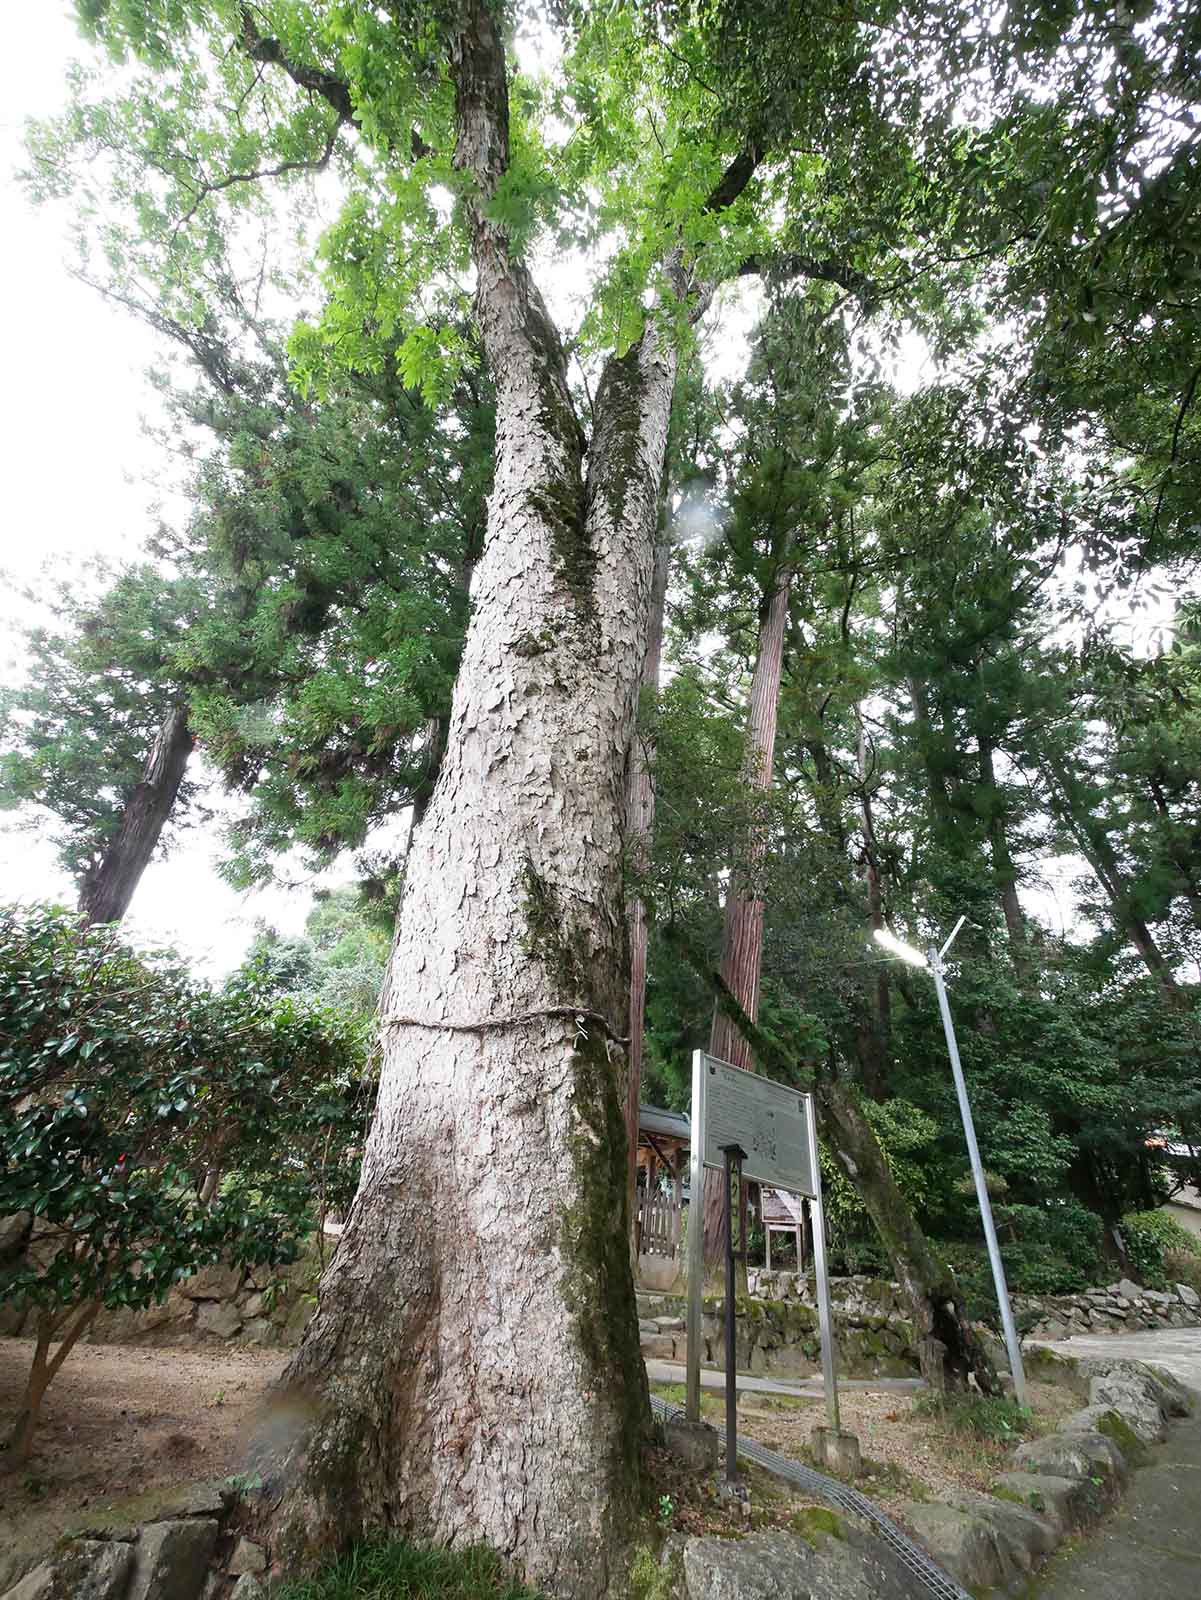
(711, 1378)
(120, 1420)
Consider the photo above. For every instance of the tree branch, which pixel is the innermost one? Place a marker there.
(791, 264)
(735, 178)
(260, 48)
(317, 164)
(316, 80)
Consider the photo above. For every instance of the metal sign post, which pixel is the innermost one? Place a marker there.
(770, 1131)
(696, 1242)
(734, 1156)
(821, 1271)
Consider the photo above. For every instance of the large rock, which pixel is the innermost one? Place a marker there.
(216, 1282)
(1024, 1539)
(1067, 1503)
(205, 1497)
(1135, 1403)
(247, 1557)
(248, 1587)
(1170, 1394)
(88, 1570)
(1188, 1296)
(218, 1317)
(657, 1346)
(841, 1564)
(1076, 1455)
(171, 1560)
(35, 1585)
(694, 1443)
(14, 1230)
(961, 1541)
(1113, 1425)
(1176, 1400)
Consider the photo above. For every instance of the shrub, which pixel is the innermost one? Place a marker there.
(1148, 1236)
(981, 1416)
(126, 1089)
(1181, 1266)
(1051, 1249)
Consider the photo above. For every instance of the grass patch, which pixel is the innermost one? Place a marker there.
(888, 1477)
(652, 1580)
(394, 1570)
(816, 1521)
(1002, 1491)
(764, 1401)
(713, 1401)
(979, 1416)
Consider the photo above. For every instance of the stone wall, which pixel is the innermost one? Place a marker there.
(782, 1339)
(1123, 1307)
(254, 1305)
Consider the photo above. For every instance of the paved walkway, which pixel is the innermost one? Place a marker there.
(1150, 1549)
(1178, 1349)
(712, 1378)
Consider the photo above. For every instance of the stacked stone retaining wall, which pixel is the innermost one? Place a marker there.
(255, 1305)
(1122, 1307)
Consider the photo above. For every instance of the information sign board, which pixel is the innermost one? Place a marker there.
(773, 1128)
(767, 1120)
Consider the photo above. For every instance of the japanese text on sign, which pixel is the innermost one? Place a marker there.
(766, 1119)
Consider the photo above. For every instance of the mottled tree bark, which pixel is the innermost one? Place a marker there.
(109, 885)
(640, 820)
(472, 1373)
(742, 927)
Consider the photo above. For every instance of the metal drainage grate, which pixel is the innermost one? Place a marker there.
(838, 1494)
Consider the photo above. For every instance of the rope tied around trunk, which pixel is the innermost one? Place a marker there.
(579, 1014)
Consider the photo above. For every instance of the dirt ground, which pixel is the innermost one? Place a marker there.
(908, 1454)
(118, 1421)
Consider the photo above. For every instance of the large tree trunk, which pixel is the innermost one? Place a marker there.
(947, 1343)
(472, 1373)
(742, 928)
(872, 1043)
(1097, 850)
(109, 886)
(1004, 871)
(640, 820)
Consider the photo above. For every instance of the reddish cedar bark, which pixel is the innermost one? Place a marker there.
(742, 928)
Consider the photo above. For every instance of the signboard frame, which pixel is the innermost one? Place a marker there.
(763, 1090)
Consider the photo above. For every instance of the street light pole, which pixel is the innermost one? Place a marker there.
(934, 961)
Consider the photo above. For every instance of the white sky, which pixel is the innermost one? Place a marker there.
(75, 470)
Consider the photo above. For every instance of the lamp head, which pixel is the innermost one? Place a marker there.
(898, 947)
